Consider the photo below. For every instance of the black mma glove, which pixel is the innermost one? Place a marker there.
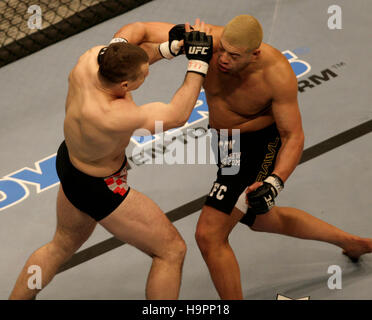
(199, 51)
(170, 48)
(262, 199)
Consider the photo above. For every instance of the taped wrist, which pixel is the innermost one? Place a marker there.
(169, 52)
(115, 40)
(276, 182)
(198, 66)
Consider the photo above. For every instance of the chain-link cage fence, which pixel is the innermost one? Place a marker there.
(27, 26)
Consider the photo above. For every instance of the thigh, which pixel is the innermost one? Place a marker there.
(219, 214)
(139, 221)
(73, 226)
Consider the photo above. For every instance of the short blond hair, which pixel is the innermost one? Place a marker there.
(244, 31)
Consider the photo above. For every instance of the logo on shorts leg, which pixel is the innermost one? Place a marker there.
(117, 183)
(221, 190)
(269, 158)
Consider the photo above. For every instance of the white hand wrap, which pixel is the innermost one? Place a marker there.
(241, 203)
(115, 40)
(276, 182)
(198, 66)
(169, 54)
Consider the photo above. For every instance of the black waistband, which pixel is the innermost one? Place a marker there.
(121, 168)
(247, 140)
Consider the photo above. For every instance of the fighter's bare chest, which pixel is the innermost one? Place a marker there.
(244, 97)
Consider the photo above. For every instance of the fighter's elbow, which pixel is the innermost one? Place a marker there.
(301, 139)
(137, 27)
(174, 123)
(177, 116)
(182, 121)
(294, 138)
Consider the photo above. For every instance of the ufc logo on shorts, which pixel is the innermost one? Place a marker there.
(196, 50)
(220, 188)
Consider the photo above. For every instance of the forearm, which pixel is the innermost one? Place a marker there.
(185, 98)
(289, 155)
(147, 35)
(152, 50)
(139, 32)
(177, 112)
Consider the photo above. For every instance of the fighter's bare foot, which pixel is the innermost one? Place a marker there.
(358, 247)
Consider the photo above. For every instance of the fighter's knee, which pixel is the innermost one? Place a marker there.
(180, 249)
(175, 250)
(60, 251)
(207, 239)
(202, 236)
(66, 244)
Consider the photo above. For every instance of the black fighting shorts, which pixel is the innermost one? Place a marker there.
(98, 197)
(253, 161)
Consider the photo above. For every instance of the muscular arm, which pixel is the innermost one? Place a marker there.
(139, 32)
(287, 117)
(176, 113)
(172, 115)
(148, 35)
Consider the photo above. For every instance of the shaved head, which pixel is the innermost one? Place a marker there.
(243, 31)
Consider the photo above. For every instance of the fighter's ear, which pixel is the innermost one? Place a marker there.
(124, 84)
(256, 52)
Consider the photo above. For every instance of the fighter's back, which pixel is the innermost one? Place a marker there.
(95, 147)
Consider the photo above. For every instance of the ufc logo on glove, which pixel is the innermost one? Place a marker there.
(196, 50)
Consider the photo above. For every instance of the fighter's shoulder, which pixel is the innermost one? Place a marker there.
(277, 67)
(274, 59)
(279, 74)
(91, 52)
(86, 59)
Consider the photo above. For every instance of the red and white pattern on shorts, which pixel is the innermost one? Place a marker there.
(118, 182)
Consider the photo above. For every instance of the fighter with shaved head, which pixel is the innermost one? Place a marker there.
(250, 86)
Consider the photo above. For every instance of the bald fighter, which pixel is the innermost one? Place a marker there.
(101, 117)
(250, 86)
